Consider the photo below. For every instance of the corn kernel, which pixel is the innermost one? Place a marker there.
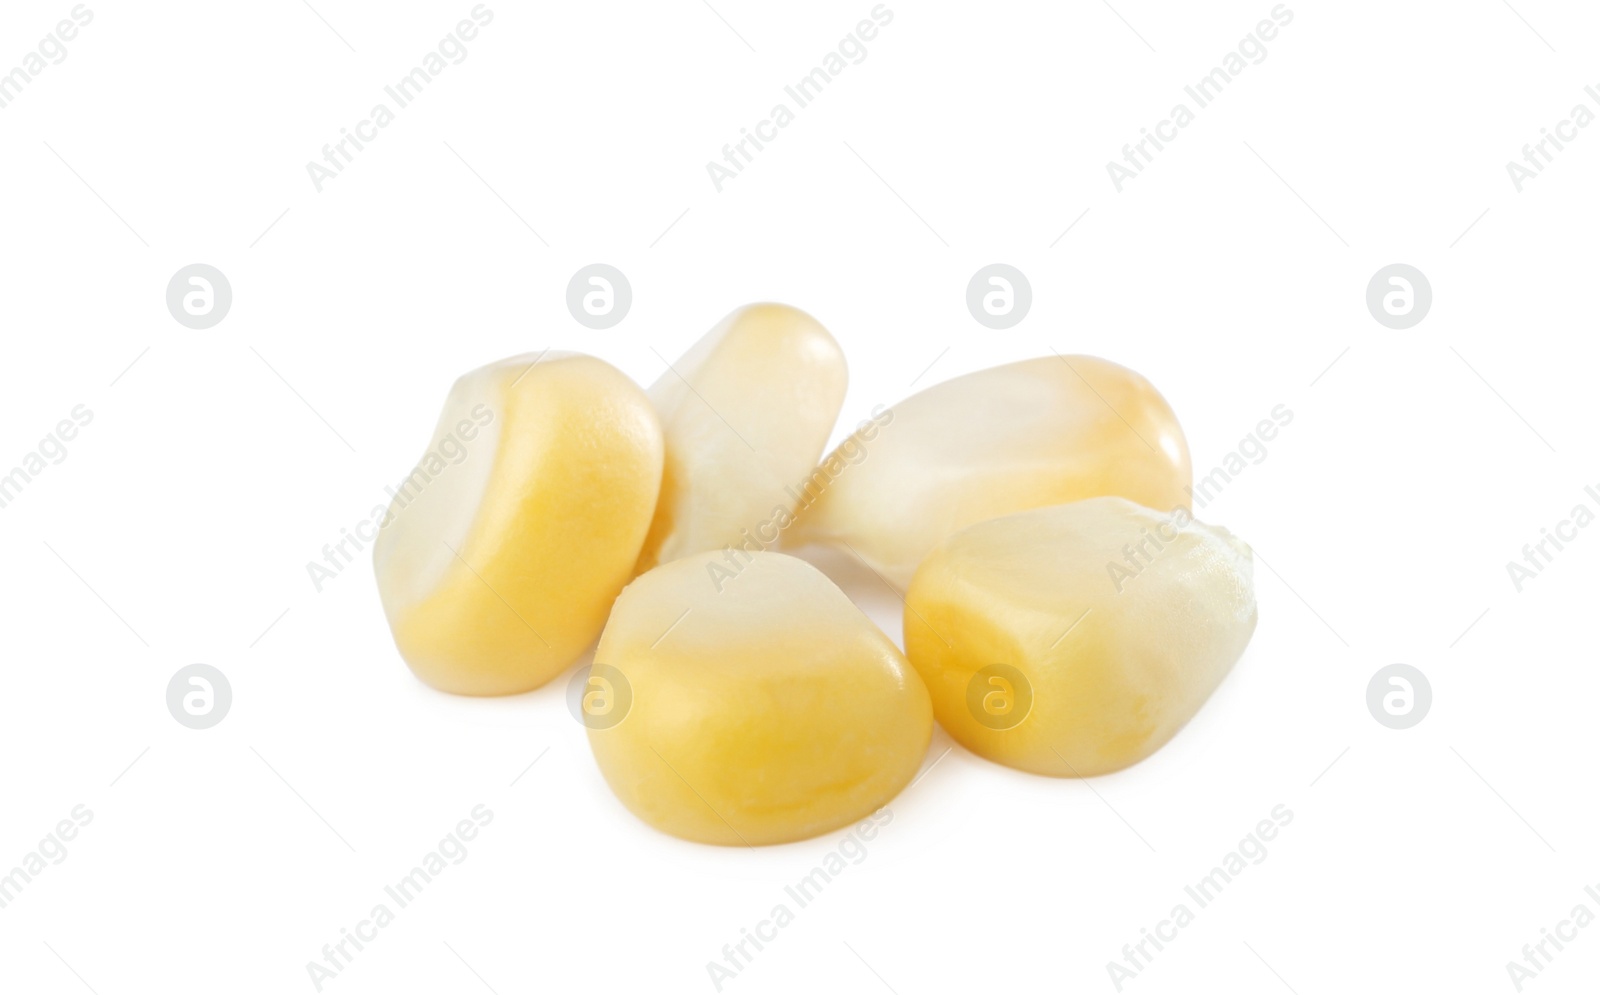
(1040, 432)
(745, 414)
(1077, 639)
(497, 573)
(763, 706)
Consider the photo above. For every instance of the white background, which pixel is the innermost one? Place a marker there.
(178, 529)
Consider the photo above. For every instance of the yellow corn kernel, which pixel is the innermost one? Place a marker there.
(745, 414)
(1026, 435)
(496, 572)
(748, 701)
(1077, 639)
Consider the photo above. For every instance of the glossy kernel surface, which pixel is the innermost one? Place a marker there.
(761, 706)
(746, 413)
(497, 571)
(1078, 639)
(1039, 432)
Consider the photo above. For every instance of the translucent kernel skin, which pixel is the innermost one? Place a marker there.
(770, 711)
(500, 573)
(745, 413)
(1039, 432)
(1113, 675)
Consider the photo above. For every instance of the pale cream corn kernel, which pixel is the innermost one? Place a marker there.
(1040, 432)
(751, 703)
(497, 572)
(746, 413)
(1077, 639)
